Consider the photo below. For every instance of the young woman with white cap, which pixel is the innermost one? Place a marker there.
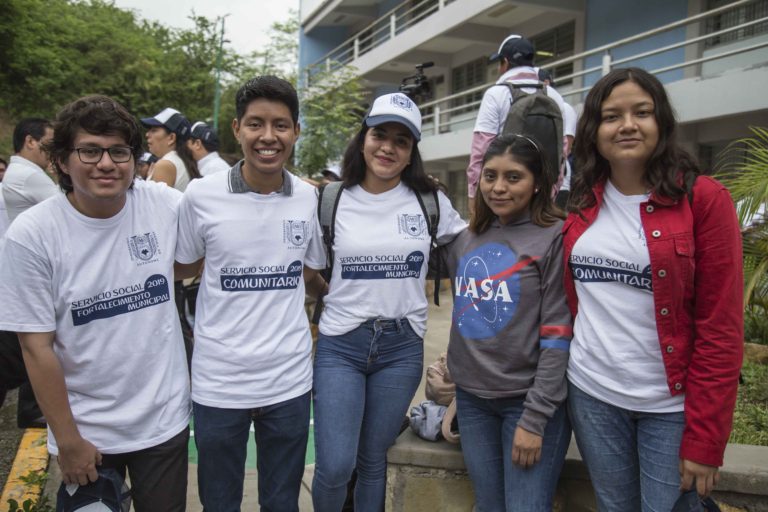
(166, 138)
(369, 355)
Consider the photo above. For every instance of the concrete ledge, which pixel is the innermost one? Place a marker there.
(31, 456)
(423, 475)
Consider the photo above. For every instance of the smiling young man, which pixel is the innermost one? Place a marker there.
(87, 275)
(256, 227)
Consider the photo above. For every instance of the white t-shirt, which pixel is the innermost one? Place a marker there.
(381, 251)
(252, 340)
(106, 287)
(615, 354)
(4, 220)
(212, 163)
(24, 185)
(182, 175)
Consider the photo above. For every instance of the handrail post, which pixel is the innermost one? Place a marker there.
(356, 48)
(392, 26)
(328, 65)
(441, 4)
(436, 111)
(606, 62)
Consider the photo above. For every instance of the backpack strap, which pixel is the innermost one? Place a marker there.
(430, 207)
(327, 203)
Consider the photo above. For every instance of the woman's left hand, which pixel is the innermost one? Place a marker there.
(526, 448)
(706, 477)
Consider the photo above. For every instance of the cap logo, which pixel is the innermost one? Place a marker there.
(402, 101)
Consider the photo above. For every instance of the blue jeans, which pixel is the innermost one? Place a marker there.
(632, 457)
(487, 427)
(364, 382)
(221, 436)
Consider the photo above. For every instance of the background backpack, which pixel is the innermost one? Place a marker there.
(537, 116)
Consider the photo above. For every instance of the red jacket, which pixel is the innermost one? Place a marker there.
(696, 262)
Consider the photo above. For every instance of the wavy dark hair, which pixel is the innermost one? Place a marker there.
(668, 168)
(97, 115)
(353, 166)
(544, 212)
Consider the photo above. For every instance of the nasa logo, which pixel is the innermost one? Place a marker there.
(487, 290)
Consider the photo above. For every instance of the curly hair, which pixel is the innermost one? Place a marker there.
(97, 115)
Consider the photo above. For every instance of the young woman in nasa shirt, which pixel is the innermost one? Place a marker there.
(369, 355)
(511, 332)
(654, 279)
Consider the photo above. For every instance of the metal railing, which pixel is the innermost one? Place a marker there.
(383, 29)
(459, 110)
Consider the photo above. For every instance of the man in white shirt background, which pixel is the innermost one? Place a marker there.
(25, 182)
(515, 58)
(204, 145)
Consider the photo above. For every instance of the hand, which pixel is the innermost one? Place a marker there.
(526, 448)
(706, 477)
(78, 461)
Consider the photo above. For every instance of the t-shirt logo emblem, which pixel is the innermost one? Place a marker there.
(295, 232)
(143, 247)
(413, 225)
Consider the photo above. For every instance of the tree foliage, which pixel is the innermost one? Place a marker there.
(332, 113)
(54, 51)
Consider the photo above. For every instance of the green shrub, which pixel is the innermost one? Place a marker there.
(756, 325)
(750, 419)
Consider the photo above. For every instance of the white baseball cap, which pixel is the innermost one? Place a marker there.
(171, 119)
(333, 169)
(395, 108)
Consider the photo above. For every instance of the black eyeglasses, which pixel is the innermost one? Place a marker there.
(93, 154)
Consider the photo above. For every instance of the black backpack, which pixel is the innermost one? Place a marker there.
(537, 116)
(328, 203)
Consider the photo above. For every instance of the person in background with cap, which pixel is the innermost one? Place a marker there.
(204, 146)
(86, 277)
(145, 164)
(369, 356)
(256, 227)
(166, 138)
(515, 57)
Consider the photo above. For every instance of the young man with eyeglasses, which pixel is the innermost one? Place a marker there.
(87, 280)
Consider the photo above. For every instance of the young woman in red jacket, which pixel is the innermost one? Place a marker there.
(653, 276)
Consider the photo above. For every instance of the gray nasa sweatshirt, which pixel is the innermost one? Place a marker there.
(511, 326)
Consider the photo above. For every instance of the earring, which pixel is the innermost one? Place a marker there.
(535, 191)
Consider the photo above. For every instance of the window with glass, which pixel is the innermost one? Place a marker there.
(555, 44)
(732, 18)
(467, 76)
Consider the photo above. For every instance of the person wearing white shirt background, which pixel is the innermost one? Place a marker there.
(25, 182)
(515, 57)
(203, 143)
